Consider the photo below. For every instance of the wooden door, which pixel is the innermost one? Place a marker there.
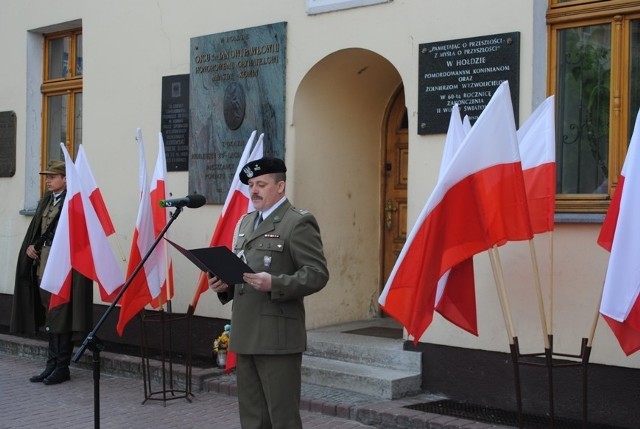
(394, 198)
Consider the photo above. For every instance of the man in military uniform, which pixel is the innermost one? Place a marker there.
(282, 244)
(30, 308)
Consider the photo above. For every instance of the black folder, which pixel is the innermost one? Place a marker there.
(217, 260)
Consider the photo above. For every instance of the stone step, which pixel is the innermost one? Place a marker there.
(373, 351)
(336, 357)
(386, 383)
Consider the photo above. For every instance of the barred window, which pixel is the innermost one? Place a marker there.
(594, 62)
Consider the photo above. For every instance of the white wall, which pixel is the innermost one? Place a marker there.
(333, 156)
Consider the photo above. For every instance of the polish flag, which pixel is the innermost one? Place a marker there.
(480, 202)
(466, 124)
(158, 193)
(537, 141)
(95, 196)
(147, 283)
(236, 205)
(620, 234)
(79, 243)
(456, 290)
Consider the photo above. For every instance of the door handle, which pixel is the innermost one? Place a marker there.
(389, 209)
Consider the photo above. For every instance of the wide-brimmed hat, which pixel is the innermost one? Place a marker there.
(55, 167)
(262, 166)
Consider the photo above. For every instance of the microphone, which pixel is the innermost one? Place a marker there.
(192, 201)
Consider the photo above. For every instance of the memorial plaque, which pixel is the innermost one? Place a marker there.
(237, 85)
(467, 72)
(8, 125)
(174, 121)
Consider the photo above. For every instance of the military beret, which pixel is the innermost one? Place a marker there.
(262, 166)
(55, 167)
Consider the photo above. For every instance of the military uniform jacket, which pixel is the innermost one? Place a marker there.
(28, 312)
(288, 246)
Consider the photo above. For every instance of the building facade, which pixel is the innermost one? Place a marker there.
(91, 72)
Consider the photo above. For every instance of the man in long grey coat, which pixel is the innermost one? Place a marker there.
(30, 311)
(282, 244)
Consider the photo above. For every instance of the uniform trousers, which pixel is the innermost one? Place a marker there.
(269, 391)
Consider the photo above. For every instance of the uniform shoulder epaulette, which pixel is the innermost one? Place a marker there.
(300, 211)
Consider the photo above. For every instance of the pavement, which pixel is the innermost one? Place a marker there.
(120, 400)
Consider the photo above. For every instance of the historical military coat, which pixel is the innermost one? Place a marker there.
(288, 246)
(28, 313)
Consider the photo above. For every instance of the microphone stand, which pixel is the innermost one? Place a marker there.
(93, 343)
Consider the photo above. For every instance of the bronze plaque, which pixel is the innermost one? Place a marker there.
(237, 85)
(467, 72)
(8, 124)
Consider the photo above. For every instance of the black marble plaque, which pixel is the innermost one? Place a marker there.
(237, 85)
(467, 72)
(174, 121)
(8, 125)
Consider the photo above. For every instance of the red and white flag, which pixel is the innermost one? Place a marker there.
(480, 202)
(466, 124)
(620, 234)
(158, 192)
(537, 137)
(79, 243)
(456, 290)
(95, 196)
(147, 283)
(58, 272)
(236, 205)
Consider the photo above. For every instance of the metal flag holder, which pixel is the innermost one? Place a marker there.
(93, 343)
(548, 354)
(550, 364)
(164, 322)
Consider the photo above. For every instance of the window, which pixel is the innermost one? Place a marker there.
(62, 93)
(593, 55)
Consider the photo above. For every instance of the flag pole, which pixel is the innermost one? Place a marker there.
(548, 352)
(122, 255)
(196, 295)
(596, 317)
(536, 274)
(551, 284)
(168, 280)
(498, 276)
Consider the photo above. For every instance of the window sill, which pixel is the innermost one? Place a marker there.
(564, 218)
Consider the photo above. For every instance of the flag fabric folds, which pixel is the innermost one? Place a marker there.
(147, 283)
(80, 241)
(95, 196)
(620, 234)
(456, 290)
(157, 193)
(537, 140)
(237, 204)
(479, 203)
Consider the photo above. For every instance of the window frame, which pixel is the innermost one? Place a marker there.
(619, 14)
(68, 86)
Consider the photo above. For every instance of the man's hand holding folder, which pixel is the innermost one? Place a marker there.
(218, 261)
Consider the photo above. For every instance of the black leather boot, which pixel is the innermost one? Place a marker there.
(52, 354)
(61, 373)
